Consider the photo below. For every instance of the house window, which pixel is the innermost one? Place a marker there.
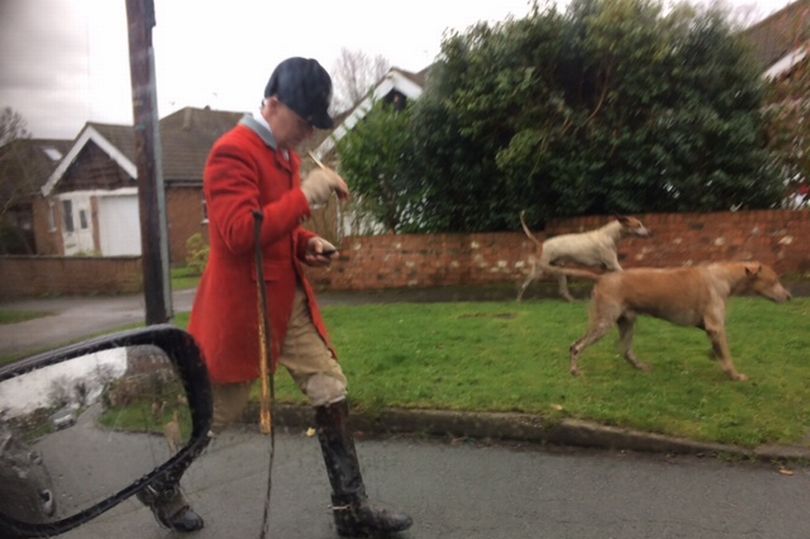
(204, 211)
(67, 214)
(51, 217)
(83, 219)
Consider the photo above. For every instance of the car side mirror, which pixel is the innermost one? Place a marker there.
(87, 426)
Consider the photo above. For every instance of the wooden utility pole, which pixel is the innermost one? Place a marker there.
(151, 193)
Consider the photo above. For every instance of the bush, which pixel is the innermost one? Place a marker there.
(196, 253)
(613, 106)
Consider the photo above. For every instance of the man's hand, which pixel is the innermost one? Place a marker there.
(319, 252)
(319, 184)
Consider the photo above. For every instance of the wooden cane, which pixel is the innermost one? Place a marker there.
(265, 339)
(265, 368)
(316, 160)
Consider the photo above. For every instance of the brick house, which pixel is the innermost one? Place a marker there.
(780, 41)
(781, 47)
(89, 203)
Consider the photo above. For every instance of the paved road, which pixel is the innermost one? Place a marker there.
(465, 491)
(74, 318)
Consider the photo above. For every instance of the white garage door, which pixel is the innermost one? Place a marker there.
(119, 225)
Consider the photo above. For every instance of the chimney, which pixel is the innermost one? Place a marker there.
(187, 116)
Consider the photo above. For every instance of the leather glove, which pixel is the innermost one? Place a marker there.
(319, 184)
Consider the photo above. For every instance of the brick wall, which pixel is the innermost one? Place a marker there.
(185, 217)
(778, 238)
(26, 276)
(48, 242)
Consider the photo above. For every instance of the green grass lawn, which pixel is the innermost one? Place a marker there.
(514, 357)
(12, 317)
(183, 278)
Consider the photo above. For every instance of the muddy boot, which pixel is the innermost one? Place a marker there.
(170, 508)
(353, 515)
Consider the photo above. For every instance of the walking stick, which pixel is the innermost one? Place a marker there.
(265, 366)
(265, 339)
(316, 160)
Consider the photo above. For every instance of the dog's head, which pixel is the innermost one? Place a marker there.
(631, 225)
(764, 281)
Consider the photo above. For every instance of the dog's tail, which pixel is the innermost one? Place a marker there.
(556, 270)
(527, 231)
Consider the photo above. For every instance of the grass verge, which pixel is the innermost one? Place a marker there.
(184, 278)
(502, 357)
(12, 317)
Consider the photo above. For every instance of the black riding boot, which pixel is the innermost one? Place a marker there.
(353, 515)
(170, 507)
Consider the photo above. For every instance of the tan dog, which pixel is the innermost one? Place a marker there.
(692, 296)
(594, 248)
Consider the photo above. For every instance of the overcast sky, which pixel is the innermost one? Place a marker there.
(66, 62)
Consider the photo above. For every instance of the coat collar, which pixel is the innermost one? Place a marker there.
(283, 157)
(264, 133)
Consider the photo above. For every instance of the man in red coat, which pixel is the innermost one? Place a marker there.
(253, 168)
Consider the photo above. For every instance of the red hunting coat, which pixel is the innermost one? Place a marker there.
(245, 173)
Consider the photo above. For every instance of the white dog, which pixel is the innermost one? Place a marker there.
(593, 248)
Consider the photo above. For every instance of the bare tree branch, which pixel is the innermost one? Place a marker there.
(354, 74)
(12, 126)
(17, 179)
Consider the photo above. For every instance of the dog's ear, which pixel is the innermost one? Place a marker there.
(752, 270)
(621, 218)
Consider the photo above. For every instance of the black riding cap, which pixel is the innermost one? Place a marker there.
(303, 85)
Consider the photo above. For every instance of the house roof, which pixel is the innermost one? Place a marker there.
(407, 83)
(120, 136)
(419, 78)
(780, 37)
(30, 160)
(186, 137)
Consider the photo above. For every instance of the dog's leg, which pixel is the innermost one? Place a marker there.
(595, 332)
(533, 274)
(717, 335)
(717, 351)
(612, 263)
(627, 323)
(562, 282)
